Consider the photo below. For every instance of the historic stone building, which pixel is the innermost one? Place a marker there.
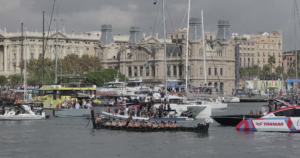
(131, 53)
(10, 47)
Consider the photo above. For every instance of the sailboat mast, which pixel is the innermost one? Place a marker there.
(296, 53)
(56, 47)
(203, 45)
(22, 51)
(43, 60)
(187, 46)
(165, 47)
(25, 69)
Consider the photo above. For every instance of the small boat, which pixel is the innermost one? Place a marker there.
(19, 112)
(285, 119)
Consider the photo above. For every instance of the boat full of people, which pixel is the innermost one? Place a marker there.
(280, 118)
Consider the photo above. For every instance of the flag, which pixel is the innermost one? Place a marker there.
(146, 64)
(155, 1)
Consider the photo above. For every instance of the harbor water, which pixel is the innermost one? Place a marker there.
(70, 138)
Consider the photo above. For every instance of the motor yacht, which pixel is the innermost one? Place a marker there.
(20, 112)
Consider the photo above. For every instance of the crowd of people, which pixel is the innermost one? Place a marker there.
(70, 103)
(130, 123)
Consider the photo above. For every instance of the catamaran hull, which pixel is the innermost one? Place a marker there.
(20, 118)
(218, 106)
(200, 111)
(71, 112)
(178, 119)
(284, 124)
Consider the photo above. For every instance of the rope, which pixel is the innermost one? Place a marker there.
(156, 17)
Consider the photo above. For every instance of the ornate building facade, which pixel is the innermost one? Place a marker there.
(130, 55)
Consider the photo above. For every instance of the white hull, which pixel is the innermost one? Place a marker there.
(71, 112)
(217, 106)
(234, 100)
(20, 117)
(200, 114)
(112, 116)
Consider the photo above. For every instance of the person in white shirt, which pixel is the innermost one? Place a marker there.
(93, 96)
(77, 105)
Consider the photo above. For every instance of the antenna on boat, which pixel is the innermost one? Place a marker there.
(187, 46)
(56, 46)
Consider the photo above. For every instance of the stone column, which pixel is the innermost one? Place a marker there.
(138, 71)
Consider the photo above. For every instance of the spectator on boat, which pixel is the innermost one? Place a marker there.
(256, 113)
(152, 113)
(271, 103)
(251, 112)
(108, 123)
(77, 105)
(98, 119)
(137, 123)
(161, 111)
(294, 103)
(114, 123)
(66, 100)
(161, 125)
(149, 124)
(260, 113)
(169, 107)
(63, 105)
(122, 111)
(138, 112)
(116, 111)
(109, 110)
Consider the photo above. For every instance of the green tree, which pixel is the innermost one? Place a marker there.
(271, 61)
(14, 79)
(106, 75)
(265, 70)
(3, 80)
(279, 70)
(291, 73)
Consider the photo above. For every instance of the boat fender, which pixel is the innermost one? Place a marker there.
(207, 120)
(211, 120)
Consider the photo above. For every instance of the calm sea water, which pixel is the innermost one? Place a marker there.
(70, 138)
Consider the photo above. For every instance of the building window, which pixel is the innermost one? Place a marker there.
(216, 72)
(14, 56)
(15, 46)
(182, 36)
(76, 48)
(257, 53)
(41, 46)
(40, 55)
(31, 46)
(68, 48)
(201, 71)
(31, 55)
(209, 71)
(87, 48)
(221, 71)
(15, 68)
(171, 36)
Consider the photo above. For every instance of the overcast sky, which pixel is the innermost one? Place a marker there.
(245, 16)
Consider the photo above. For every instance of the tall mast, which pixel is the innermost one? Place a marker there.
(296, 53)
(203, 45)
(25, 70)
(165, 47)
(43, 73)
(22, 51)
(56, 47)
(187, 46)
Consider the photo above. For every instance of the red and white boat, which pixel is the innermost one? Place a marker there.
(282, 120)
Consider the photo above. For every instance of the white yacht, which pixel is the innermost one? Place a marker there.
(23, 112)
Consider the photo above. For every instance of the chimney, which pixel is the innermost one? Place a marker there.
(106, 35)
(135, 35)
(195, 31)
(223, 30)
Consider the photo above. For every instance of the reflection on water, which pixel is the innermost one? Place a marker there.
(69, 137)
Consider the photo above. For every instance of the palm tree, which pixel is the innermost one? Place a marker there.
(271, 61)
(291, 73)
(266, 69)
(279, 70)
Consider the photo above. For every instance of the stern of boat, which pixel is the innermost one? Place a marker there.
(200, 111)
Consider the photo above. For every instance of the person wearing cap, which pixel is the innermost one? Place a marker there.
(175, 124)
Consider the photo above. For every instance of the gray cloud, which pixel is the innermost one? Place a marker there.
(245, 16)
